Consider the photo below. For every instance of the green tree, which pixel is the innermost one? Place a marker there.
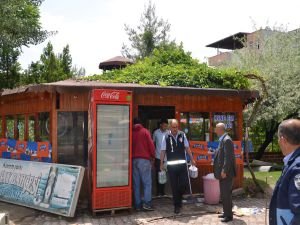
(277, 62)
(33, 74)
(19, 26)
(9, 67)
(51, 67)
(78, 72)
(151, 32)
(66, 60)
(170, 65)
(51, 70)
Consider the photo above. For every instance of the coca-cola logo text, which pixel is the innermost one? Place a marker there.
(110, 95)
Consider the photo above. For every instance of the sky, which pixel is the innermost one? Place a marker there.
(94, 29)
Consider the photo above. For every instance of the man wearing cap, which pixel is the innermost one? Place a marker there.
(285, 203)
(175, 145)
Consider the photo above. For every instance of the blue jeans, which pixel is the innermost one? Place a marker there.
(141, 173)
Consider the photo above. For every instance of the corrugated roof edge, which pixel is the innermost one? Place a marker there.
(72, 83)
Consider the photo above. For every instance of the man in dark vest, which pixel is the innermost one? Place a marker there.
(176, 145)
(225, 170)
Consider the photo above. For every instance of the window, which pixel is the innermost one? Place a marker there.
(195, 125)
(72, 138)
(20, 127)
(31, 128)
(44, 126)
(230, 121)
(10, 126)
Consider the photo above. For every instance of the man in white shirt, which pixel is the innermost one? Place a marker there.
(157, 139)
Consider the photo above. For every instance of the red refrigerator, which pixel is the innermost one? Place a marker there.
(110, 149)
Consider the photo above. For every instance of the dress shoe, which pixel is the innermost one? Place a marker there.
(227, 219)
(221, 216)
(177, 210)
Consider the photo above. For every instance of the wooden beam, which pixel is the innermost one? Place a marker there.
(53, 127)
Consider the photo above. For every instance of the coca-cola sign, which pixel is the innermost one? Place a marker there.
(114, 95)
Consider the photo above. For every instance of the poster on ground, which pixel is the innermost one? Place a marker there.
(49, 187)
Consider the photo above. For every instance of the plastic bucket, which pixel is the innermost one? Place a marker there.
(211, 187)
(162, 177)
(193, 171)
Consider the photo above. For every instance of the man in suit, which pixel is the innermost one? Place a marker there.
(225, 170)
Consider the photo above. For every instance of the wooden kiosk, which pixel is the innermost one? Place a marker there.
(58, 113)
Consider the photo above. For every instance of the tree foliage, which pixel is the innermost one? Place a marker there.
(19, 26)
(277, 61)
(170, 65)
(151, 32)
(9, 67)
(51, 67)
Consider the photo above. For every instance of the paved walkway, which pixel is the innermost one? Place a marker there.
(198, 213)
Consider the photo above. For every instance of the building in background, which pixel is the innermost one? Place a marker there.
(235, 42)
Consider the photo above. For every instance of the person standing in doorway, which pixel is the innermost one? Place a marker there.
(157, 139)
(175, 145)
(143, 153)
(225, 170)
(285, 202)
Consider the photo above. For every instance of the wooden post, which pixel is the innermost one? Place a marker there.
(26, 128)
(211, 127)
(53, 127)
(3, 129)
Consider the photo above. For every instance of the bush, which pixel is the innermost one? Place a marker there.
(170, 65)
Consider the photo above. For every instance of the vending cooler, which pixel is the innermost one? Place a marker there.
(110, 151)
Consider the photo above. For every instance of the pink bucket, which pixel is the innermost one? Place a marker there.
(211, 190)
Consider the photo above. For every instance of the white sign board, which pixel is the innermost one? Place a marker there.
(49, 187)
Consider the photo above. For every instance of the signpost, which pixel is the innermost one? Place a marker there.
(49, 187)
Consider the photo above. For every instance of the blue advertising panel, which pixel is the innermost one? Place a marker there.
(49, 187)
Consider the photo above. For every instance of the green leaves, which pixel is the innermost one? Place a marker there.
(170, 65)
(20, 23)
(51, 67)
(19, 26)
(151, 32)
(277, 61)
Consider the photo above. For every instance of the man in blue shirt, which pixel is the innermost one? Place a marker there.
(158, 136)
(285, 202)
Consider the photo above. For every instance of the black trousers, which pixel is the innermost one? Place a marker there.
(226, 195)
(179, 182)
(160, 188)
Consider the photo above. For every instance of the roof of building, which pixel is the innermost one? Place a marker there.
(231, 42)
(115, 62)
(72, 85)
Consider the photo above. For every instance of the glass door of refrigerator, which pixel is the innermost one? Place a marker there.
(113, 145)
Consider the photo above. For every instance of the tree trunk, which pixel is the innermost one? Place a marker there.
(268, 139)
(270, 134)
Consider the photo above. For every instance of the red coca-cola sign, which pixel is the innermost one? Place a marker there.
(108, 95)
(111, 95)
